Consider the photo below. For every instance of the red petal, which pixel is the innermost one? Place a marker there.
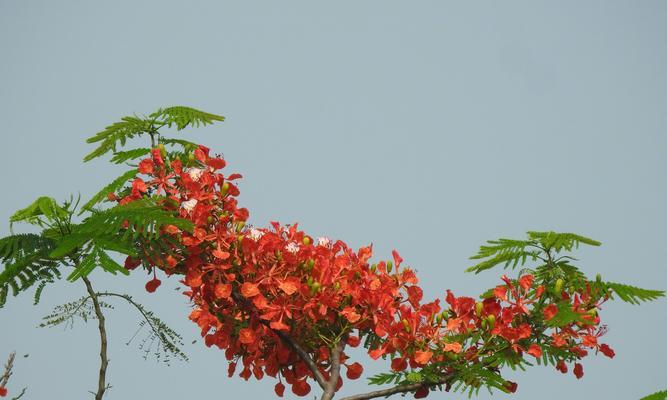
(397, 258)
(279, 389)
(152, 285)
(354, 370)
(216, 163)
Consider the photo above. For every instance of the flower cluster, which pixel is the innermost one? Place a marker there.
(279, 301)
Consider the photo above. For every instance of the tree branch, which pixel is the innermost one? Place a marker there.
(8, 373)
(104, 361)
(396, 389)
(8, 370)
(335, 369)
(303, 354)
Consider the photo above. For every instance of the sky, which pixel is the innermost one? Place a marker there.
(426, 127)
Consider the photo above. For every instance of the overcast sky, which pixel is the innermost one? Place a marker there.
(426, 126)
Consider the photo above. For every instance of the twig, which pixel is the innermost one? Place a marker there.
(303, 354)
(396, 389)
(8, 369)
(104, 361)
(336, 351)
(8, 373)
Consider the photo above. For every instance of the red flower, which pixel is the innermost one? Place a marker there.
(421, 393)
(279, 389)
(423, 357)
(152, 285)
(549, 311)
(246, 336)
(354, 371)
(607, 351)
(511, 386)
(249, 289)
(535, 350)
(3, 391)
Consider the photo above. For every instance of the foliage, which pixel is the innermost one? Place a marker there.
(129, 127)
(286, 305)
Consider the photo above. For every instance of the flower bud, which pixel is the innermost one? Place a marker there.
(598, 278)
(239, 226)
(406, 325)
(224, 189)
(315, 287)
(306, 241)
(191, 157)
(374, 267)
(390, 266)
(310, 264)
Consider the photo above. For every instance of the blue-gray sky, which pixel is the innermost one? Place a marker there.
(428, 127)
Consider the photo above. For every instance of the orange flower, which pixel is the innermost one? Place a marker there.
(249, 289)
(246, 336)
(423, 357)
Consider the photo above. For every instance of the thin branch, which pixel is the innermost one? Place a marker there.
(335, 369)
(104, 361)
(397, 389)
(8, 369)
(303, 354)
(8, 373)
(20, 394)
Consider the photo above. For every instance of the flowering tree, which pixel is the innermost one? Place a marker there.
(283, 304)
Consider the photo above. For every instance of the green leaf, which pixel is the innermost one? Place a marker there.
(118, 133)
(564, 316)
(109, 265)
(123, 156)
(110, 188)
(560, 241)
(44, 205)
(68, 243)
(85, 267)
(662, 395)
(634, 295)
(185, 116)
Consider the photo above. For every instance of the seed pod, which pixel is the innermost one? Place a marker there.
(558, 287)
(478, 308)
(224, 189)
(492, 320)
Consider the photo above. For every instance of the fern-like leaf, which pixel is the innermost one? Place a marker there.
(110, 188)
(117, 133)
(662, 395)
(120, 157)
(182, 117)
(559, 241)
(634, 295)
(43, 206)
